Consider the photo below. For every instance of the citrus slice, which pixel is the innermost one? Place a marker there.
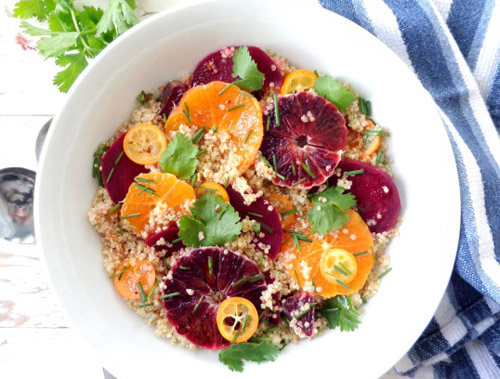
(304, 263)
(298, 81)
(144, 143)
(213, 188)
(338, 264)
(227, 107)
(237, 319)
(147, 191)
(130, 273)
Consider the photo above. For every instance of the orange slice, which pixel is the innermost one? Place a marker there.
(355, 237)
(127, 277)
(230, 109)
(144, 144)
(147, 191)
(297, 81)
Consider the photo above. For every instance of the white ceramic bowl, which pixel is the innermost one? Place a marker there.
(168, 46)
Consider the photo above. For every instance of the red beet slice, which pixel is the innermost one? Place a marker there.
(170, 97)
(193, 312)
(311, 136)
(272, 230)
(219, 66)
(294, 310)
(169, 235)
(124, 171)
(376, 194)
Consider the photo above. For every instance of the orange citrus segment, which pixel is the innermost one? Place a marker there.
(213, 188)
(230, 109)
(355, 237)
(128, 274)
(147, 191)
(374, 144)
(144, 144)
(237, 319)
(283, 206)
(297, 81)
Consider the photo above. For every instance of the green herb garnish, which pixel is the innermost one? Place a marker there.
(276, 109)
(113, 209)
(334, 92)
(354, 172)
(365, 106)
(339, 311)
(173, 294)
(255, 352)
(236, 107)
(186, 112)
(180, 157)
(246, 68)
(198, 304)
(248, 136)
(385, 273)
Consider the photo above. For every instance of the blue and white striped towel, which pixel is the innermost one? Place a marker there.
(453, 46)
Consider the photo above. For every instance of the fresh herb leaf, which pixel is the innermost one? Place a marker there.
(180, 157)
(329, 215)
(234, 355)
(339, 311)
(31, 9)
(118, 17)
(365, 106)
(246, 68)
(369, 135)
(217, 221)
(333, 91)
(96, 164)
(73, 65)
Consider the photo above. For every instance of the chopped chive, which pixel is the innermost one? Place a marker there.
(339, 270)
(296, 242)
(276, 109)
(109, 175)
(274, 162)
(384, 273)
(226, 88)
(173, 294)
(342, 284)
(251, 278)
(280, 176)
(262, 314)
(113, 209)
(186, 113)
(380, 158)
(269, 330)
(299, 235)
(363, 300)
(345, 268)
(130, 216)
(308, 170)
(214, 128)
(262, 339)
(184, 268)
(245, 94)
(297, 277)
(227, 182)
(235, 337)
(152, 289)
(300, 181)
(261, 260)
(119, 157)
(166, 264)
(201, 153)
(374, 256)
(145, 305)
(286, 213)
(360, 253)
(236, 107)
(314, 286)
(164, 118)
(256, 227)
(198, 304)
(293, 87)
(120, 232)
(210, 265)
(142, 180)
(285, 320)
(316, 73)
(285, 241)
(354, 172)
(142, 293)
(311, 305)
(245, 321)
(120, 274)
(365, 106)
(266, 228)
(268, 122)
(266, 161)
(255, 214)
(208, 189)
(179, 239)
(197, 137)
(293, 169)
(193, 179)
(146, 189)
(248, 136)
(375, 133)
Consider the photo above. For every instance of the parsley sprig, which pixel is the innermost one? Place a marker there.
(212, 219)
(339, 311)
(234, 355)
(328, 211)
(74, 36)
(246, 68)
(180, 157)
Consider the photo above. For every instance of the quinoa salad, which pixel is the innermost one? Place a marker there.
(246, 206)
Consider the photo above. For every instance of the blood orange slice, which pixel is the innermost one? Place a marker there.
(199, 283)
(305, 140)
(299, 309)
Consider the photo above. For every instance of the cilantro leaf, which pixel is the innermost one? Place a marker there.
(31, 9)
(333, 91)
(234, 355)
(329, 210)
(57, 44)
(339, 311)
(246, 68)
(180, 157)
(118, 17)
(35, 31)
(212, 219)
(74, 65)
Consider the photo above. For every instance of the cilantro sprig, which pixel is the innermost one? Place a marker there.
(333, 91)
(180, 157)
(212, 223)
(73, 36)
(339, 311)
(246, 68)
(328, 211)
(234, 355)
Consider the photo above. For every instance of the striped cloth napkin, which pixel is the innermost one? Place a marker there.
(453, 46)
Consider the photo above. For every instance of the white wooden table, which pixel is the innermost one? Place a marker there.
(36, 338)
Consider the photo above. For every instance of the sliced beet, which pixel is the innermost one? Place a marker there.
(376, 195)
(193, 312)
(308, 143)
(169, 235)
(219, 66)
(170, 97)
(124, 171)
(274, 316)
(271, 229)
(296, 310)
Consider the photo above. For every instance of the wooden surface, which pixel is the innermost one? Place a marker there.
(36, 338)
